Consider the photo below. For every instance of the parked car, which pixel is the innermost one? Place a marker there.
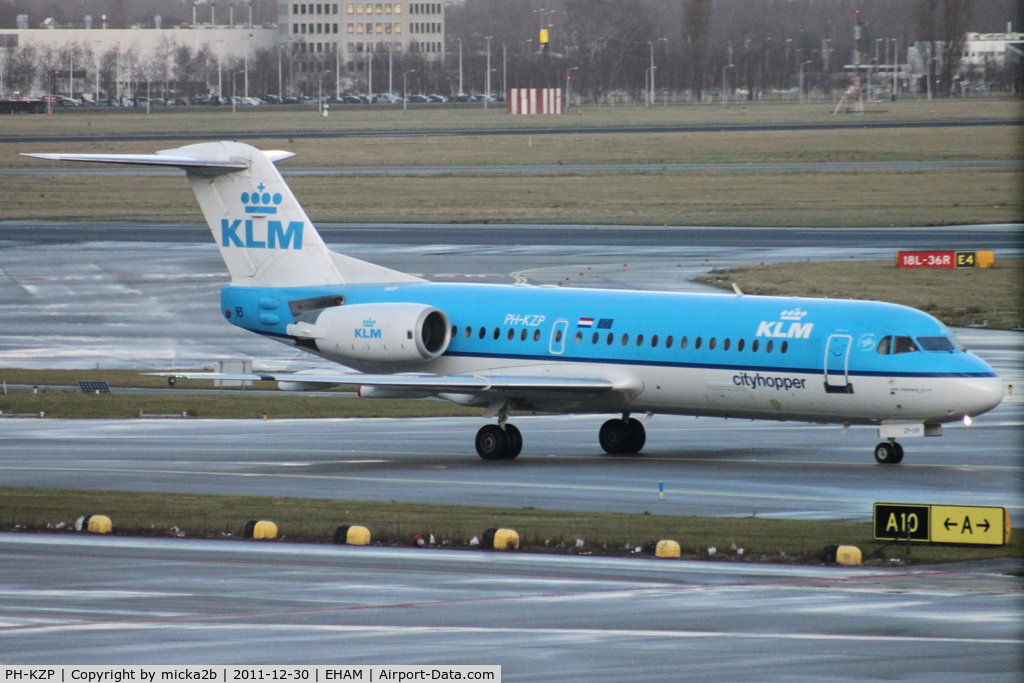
(437, 98)
(418, 99)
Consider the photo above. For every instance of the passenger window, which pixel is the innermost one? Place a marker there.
(558, 336)
(725, 345)
(593, 340)
(683, 342)
(640, 340)
(711, 344)
(753, 346)
(482, 332)
(511, 334)
(610, 338)
(696, 343)
(536, 335)
(769, 346)
(455, 331)
(579, 337)
(522, 335)
(654, 341)
(784, 347)
(740, 344)
(668, 342)
(497, 333)
(884, 346)
(468, 332)
(625, 339)
(904, 345)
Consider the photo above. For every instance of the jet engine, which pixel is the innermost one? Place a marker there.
(375, 333)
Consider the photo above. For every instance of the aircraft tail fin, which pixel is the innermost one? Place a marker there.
(264, 235)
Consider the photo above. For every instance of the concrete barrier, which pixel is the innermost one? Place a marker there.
(501, 539)
(667, 548)
(95, 524)
(260, 529)
(351, 535)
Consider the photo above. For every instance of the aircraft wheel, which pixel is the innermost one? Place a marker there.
(899, 453)
(515, 441)
(637, 436)
(492, 442)
(614, 436)
(885, 453)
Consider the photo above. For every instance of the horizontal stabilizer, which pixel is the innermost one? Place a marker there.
(199, 165)
(437, 383)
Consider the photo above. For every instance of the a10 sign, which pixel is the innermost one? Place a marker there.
(941, 524)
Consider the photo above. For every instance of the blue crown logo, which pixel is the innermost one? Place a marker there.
(369, 322)
(258, 201)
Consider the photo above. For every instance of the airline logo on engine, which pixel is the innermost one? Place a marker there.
(369, 330)
(789, 326)
(275, 236)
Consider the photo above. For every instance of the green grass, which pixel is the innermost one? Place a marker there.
(993, 297)
(314, 521)
(743, 199)
(103, 122)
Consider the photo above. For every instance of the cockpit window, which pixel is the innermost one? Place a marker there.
(936, 344)
(884, 346)
(904, 345)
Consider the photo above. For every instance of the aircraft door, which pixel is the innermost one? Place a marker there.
(837, 364)
(558, 331)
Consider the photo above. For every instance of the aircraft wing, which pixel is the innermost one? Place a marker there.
(472, 384)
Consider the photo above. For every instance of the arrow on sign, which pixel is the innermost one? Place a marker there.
(948, 524)
(984, 526)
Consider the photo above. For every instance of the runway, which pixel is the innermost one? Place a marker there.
(557, 129)
(560, 169)
(542, 618)
(708, 466)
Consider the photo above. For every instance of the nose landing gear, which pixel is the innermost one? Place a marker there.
(888, 453)
(622, 436)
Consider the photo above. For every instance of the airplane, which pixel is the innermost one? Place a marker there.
(525, 348)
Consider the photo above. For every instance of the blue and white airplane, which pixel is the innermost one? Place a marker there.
(557, 350)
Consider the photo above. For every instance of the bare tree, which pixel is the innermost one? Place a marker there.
(698, 43)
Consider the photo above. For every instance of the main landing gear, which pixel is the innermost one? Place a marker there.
(622, 436)
(501, 441)
(888, 452)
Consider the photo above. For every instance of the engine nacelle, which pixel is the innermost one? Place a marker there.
(376, 333)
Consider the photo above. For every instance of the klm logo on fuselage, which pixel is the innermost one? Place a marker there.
(368, 330)
(789, 327)
(276, 237)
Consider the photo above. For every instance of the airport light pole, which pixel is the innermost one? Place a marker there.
(650, 94)
(280, 75)
(220, 70)
(895, 67)
(504, 71)
(802, 80)
(405, 89)
(461, 91)
(391, 69)
(487, 94)
(234, 81)
(724, 68)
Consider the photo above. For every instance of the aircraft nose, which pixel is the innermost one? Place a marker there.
(977, 395)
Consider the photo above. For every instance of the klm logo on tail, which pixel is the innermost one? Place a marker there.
(277, 236)
(259, 201)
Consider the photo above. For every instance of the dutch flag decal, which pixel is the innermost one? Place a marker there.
(585, 322)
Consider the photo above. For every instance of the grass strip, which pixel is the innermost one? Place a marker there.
(230, 405)
(985, 297)
(314, 521)
(740, 199)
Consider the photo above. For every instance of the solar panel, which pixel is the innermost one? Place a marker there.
(89, 387)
